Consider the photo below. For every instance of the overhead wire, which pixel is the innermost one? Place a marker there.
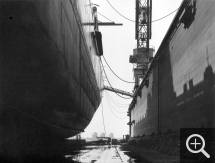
(165, 16)
(116, 103)
(134, 21)
(119, 12)
(112, 105)
(113, 112)
(104, 17)
(115, 73)
(109, 81)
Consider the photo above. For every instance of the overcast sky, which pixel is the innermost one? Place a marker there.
(118, 45)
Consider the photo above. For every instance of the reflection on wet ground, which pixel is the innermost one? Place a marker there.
(101, 154)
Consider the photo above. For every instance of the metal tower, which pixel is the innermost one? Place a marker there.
(142, 55)
(143, 23)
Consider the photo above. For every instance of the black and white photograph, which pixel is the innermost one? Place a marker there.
(107, 81)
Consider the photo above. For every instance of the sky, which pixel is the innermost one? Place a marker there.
(118, 45)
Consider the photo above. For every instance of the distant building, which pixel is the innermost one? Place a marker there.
(94, 135)
(76, 137)
(110, 135)
(102, 134)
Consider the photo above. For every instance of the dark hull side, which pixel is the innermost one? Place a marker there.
(180, 93)
(49, 88)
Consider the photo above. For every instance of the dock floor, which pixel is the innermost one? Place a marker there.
(105, 154)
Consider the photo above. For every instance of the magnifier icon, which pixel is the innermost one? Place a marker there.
(202, 144)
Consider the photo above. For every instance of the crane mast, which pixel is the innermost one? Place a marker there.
(142, 54)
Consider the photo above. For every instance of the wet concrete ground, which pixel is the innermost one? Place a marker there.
(101, 154)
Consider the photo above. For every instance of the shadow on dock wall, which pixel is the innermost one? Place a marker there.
(166, 112)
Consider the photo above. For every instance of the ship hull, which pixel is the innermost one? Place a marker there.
(50, 89)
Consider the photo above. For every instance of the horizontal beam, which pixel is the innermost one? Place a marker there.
(104, 24)
(118, 91)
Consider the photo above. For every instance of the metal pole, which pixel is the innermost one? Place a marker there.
(148, 30)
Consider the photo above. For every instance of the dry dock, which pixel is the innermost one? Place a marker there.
(117, 154)
(102, 154)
